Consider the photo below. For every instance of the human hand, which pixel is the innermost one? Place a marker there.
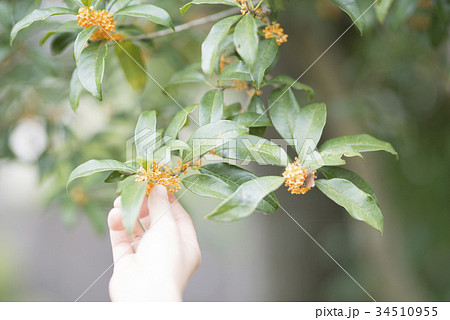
(155, 265)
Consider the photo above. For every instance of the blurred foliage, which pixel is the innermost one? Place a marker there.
(398, 82)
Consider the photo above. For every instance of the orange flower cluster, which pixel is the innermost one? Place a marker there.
(244, 6)
(161, 175)
(88, 17)
(241, 85)
(274, 31)
(164, 175)
(297, 178)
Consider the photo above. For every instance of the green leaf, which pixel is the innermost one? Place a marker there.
(184, 8)
(352, 9)
(351, 146)
(132, 64)
(117, 176)
(61, 41)
(252, 119)
(163, 154)
(308, 128)
(267, 52)
(187, 75)
(236, 70)
(212, 136)
(96, 166)
(283, 108)
(288, 81)
(231, 110)
(256, 105)
(316, 160)
(91, 67)
(37, 15)
(75, 90)
(359, 204)
(234, 177)
(382, 8)
(131, 197)
(207, 186)
(336, 172)
(253, 148)
(211, 107)
(149, 12)
(210, 47)
(178, 122)
(66, 27)
(246, 40)
(81, 40)
(116, 5)
(245, 199)
(146, 137)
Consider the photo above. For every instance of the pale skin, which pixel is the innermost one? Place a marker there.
(157, 266)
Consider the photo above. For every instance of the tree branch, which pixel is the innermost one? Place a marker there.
(185, 26)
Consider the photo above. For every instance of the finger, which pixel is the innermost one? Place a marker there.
(120, 240)
(159, 206)
(118, 202)
(183, 219)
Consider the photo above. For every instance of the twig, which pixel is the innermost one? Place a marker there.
(185, 26)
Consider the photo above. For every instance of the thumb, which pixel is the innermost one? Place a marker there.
(159, 206)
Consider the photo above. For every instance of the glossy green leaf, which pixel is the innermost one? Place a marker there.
(117, 5)
(246, 40)
(336, 172)
(38, 15)
(184, 8)
(245, 199)
(252, 119)
(68, 26)
(146, 138)
(308, 128)
(117, 176)
(316, 160)
(131, 198)
(187, 75)
(351, 7)
(130, 59)
(293, 84)
(283, 108)
(148, 11)
(212, 136)
(210, 47)
(267, 52)
(96, 166)
(234, 177)
(178, 122)
(61, 41)
(211, 107)
(81, 40)
(91, 67)
(359, 204)
(75, 90)
(236, 70)
(257, 105)
(163, 154)
(231, 110)
(207, 186)
(351, 146)
(252, 148)
(382, 8)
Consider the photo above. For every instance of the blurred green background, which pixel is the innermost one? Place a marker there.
(394, 83)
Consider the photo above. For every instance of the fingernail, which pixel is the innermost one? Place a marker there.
(160, 191)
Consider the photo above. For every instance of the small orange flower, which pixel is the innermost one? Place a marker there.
(239, 85)
(159, 174)
(274, 31)
(296, 177)
(88, 17)
(244, 6)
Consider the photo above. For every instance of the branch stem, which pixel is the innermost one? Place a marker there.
(185, 26)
